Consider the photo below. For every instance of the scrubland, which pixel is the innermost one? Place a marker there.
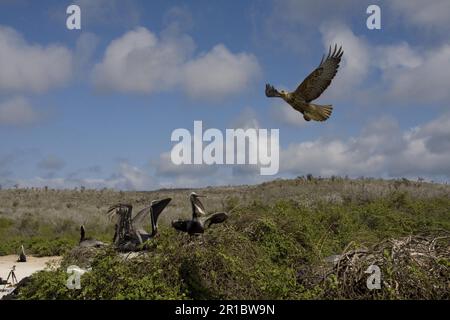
(276, 244)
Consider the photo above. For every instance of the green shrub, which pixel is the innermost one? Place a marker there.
(271, 247)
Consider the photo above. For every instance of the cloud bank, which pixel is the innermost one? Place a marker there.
(31, 67)
(17, 111)
(141, 62)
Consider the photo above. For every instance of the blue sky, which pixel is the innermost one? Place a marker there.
(74, 111)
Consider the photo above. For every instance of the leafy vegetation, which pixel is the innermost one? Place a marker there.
(266, 250)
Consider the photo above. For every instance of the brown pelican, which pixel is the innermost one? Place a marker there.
(129, 233)
(200, 218)
(88, 242)
(123, 228)
(154, 210)
(311, 88)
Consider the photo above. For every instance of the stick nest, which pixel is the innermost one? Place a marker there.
(413, 267)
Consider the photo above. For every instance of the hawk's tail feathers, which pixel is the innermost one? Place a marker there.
(320, 113)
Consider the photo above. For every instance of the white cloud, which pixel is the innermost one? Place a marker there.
(31, 67)
(17, 111)
(127, 177)
(394, 72)
(246, 119)
(294, 24)
(430, 14)
(264, 145)
(142, 62)
(425, 80)
(382, 149)
(219, 73)
(427, 150)
(356, 61)
(203, 174)
(397, 56)
(406, 74)
(324, 157)
(285, 114)
(433, 13)
(130, 178)
(436, 134)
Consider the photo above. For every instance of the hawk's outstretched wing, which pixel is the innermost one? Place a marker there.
(316, 83)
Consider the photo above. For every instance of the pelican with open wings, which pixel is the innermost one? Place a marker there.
(311, 88)
(129, 231)
(200, 218)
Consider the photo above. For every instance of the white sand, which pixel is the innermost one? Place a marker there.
(23, 269)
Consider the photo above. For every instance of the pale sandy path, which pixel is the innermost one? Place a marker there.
(23, 269)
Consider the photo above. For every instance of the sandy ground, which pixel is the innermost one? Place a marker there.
(23, 269)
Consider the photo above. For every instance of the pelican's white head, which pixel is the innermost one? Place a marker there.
(195, 195)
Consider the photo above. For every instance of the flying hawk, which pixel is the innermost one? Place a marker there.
(311, 88)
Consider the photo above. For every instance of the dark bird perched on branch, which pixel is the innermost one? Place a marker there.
(200, 218)
(312, 87)
(129, 232)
